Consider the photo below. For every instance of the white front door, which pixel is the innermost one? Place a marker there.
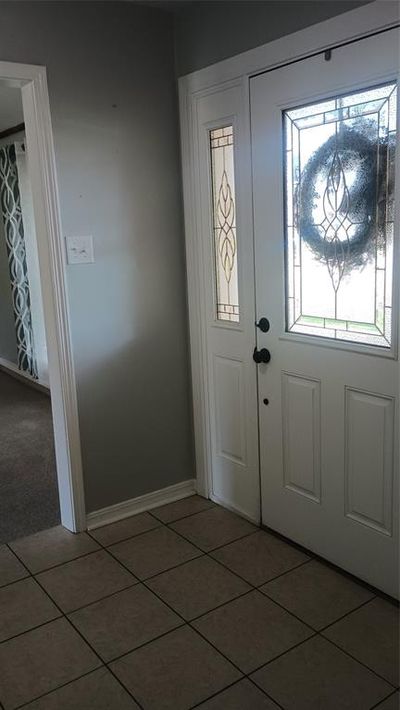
(327, 240)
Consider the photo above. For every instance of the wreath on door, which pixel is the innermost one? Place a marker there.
(342, 174)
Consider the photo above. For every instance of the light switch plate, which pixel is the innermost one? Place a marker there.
(80, 249)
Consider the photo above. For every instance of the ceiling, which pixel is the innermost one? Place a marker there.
(11, 113)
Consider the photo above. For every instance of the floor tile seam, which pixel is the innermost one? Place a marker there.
(64, 613)
(185, 623)
(214, 549)
(143, 581)
(312, 556)
(59, 687)
(101, 599)
(59, 564)
(236, 574)
(219, 606)
(348, 613)
(376, 706)
(270, 697)
(94, 552)
(8, 546)
(283, 574)
(20, 579)
(256, 586)
(31, 628)
(64, 616)
(183, 517)
(170, 569)
(331, 565)
(77, 631)
(188, 621)
(231, 685)
(123, 539)
(306, 623)
(216, 694)
(121, 656)
(354, 658)
(107, 548)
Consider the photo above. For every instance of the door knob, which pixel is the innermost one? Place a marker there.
(262, 355)
(263, 324)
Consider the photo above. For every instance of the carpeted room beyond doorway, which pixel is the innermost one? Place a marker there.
(28, 480)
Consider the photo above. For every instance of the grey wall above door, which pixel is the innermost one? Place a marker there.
(206, 32)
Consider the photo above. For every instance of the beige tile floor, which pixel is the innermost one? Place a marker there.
(188, 606)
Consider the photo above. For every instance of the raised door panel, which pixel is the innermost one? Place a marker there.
(301, 424)
(230, 432)
(369, 459)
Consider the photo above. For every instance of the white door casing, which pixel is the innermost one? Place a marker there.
(328, 438)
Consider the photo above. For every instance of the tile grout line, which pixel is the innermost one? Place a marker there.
(59, 687)
(231, 685)
(123, 539)
(219, 547)
(183, 517)
(63, 613)
(376, 707)
(357, 661)
(184, 621)
(253, 588)
(360, 606)
(331, 565)
(102, 664)
(218, 651)
(317, 631)
(256, 589)
(59, 564)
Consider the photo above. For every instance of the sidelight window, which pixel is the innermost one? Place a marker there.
(224, 223)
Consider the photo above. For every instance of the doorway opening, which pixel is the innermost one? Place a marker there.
(29, 499)
(40, 464)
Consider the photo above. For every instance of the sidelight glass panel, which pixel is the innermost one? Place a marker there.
(339, 203)
(224, 223)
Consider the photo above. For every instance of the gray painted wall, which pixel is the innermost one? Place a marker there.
(8, 342)
(207, 32)
(113, 102)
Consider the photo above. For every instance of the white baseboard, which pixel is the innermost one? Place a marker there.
(126, 508)
(11, 369)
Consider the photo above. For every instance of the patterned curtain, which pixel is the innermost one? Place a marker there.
(14, 233)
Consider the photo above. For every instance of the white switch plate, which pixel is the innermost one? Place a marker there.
(80, 250)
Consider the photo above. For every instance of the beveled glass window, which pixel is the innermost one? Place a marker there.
(339, 187)
(224, 223)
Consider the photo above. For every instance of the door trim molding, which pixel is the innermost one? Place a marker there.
(32, 81)
(347, 27)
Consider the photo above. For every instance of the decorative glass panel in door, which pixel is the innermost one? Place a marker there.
(224, 223)
(339, 190)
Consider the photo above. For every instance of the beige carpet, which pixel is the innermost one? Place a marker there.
(28, 482)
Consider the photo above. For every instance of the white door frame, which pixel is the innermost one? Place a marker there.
(350, 26)
(42, 171)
